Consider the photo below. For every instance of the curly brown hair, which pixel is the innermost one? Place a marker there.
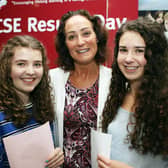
(150, 133)
(10, 102)
(64, 59)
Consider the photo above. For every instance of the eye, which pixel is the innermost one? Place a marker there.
(38, 64)
(70, 37)
(21, 64)
(123, 50)
(86, 33)
(139, 51)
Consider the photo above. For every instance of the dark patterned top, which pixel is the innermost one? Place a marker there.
(80, 115)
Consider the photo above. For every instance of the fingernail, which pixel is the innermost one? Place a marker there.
(46, 162)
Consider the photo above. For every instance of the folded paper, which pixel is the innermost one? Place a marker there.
(31, 148)
(100, 144)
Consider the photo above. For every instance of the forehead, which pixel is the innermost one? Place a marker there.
(76, 23)
(25, 53)
(131, 38)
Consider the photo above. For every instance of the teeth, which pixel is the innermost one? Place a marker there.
(131, 68)
(82, 51)
(28, 80)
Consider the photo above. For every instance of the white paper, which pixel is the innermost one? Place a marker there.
(100, 144)
(31, 148)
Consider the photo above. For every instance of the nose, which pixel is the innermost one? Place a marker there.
(80, 40)
(129, 57)
(30, 69)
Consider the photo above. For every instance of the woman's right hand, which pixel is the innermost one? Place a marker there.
(104, 162)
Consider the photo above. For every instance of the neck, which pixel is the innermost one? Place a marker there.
(84, 76)
(134, 87)
(86, 70)
(25, 97)
(129, 100)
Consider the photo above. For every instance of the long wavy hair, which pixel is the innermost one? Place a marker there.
(64, 59)
(10, 102)
(150, 127)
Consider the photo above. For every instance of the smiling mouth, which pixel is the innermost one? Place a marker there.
(131, 67)
(28, 80)
(82, 51)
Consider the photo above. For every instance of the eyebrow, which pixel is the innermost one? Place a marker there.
(85, 28)
(133, 47)
(22, 60)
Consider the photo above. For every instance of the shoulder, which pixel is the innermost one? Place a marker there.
(105, 72)
(3, 123)
(105, 69)
(58, 75)
(57, 72)
(2, 116)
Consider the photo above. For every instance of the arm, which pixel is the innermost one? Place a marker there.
(56, 159)
(104, 162)
(1, 153)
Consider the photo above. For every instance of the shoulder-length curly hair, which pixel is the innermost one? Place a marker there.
(150, 133)
(10, 102)
(64, 59)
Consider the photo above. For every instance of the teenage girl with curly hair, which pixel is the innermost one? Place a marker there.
(136, 110)
(25, 100)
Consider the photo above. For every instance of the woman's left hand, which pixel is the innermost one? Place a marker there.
(104, 162)
(56, 159)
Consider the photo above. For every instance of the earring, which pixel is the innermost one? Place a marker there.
(127, 87)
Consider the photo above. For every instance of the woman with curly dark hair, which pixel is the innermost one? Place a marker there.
(80, 83)
(136, 110)
(25, 100)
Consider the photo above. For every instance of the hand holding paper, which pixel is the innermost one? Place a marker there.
(100, 144)
(31, 148)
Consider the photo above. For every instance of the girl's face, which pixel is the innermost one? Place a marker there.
(81, 39)
(26, 69)
(166, 24)
(131, 55)
(159, 19)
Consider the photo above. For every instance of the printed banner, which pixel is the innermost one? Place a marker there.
(40, 18)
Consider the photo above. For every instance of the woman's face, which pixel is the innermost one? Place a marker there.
(81, 39)
(26, 69)
(131, 55)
